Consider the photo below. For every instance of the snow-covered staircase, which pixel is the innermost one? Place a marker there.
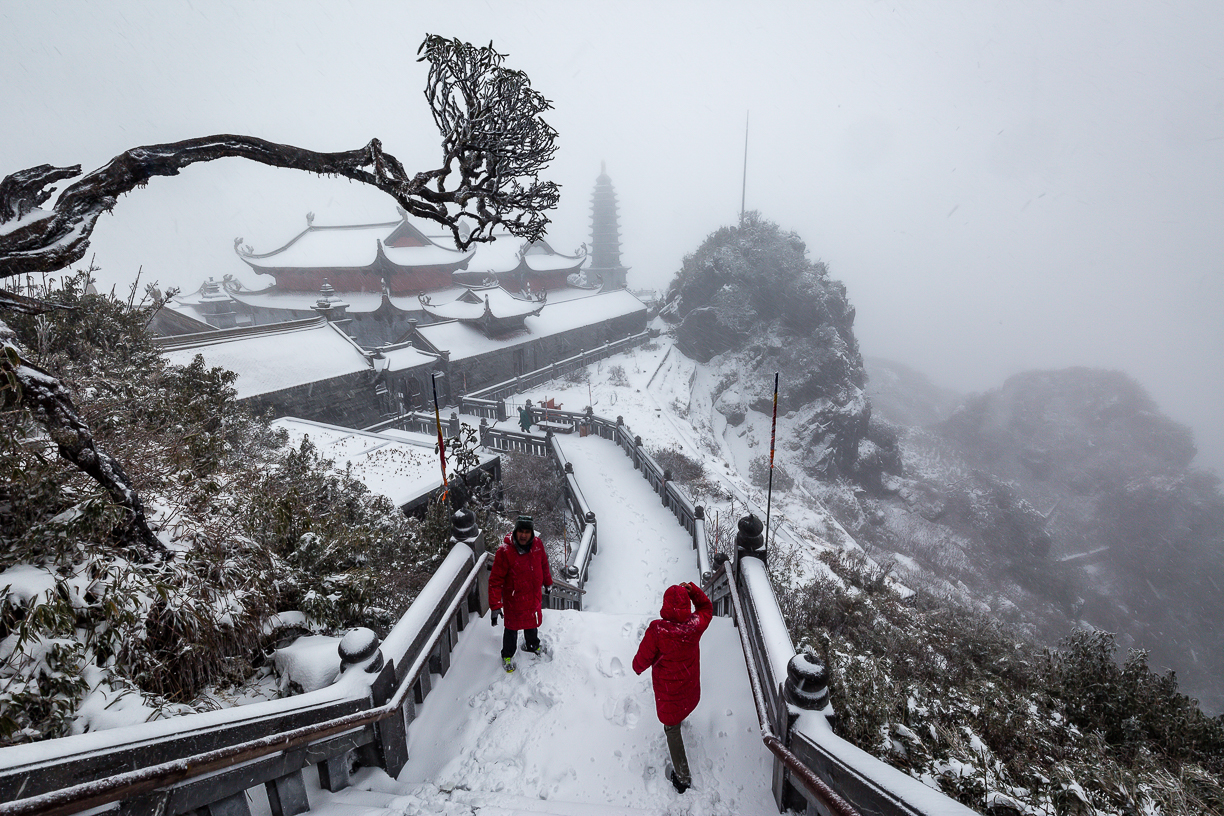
(574, 731)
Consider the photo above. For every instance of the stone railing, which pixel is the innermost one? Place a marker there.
(206, 762)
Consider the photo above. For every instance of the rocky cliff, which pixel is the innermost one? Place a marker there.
(752, 298)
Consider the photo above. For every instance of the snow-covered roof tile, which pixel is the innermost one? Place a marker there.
(358, 302)
(402, 359)
(349, 247)
(272, 358)
(471, 305)
(464, 341)
(400, 465)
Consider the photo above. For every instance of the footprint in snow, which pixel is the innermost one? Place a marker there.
(624, 712)
(609, 668)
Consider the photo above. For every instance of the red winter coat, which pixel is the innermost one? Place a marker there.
(672, 647)
(517, 581)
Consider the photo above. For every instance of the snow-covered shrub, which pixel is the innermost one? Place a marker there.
(578, 376)
(249, 530)
(954, 698)
(617, 376)
(758, 473)
(684, 468)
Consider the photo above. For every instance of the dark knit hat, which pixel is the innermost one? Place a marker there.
(524, 523)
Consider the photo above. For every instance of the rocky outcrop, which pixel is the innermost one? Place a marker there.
(750, 294)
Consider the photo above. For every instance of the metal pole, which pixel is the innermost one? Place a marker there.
(433, 380)
(773, 432)
(744, 188)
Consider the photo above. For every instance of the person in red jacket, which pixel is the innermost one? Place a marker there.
(519, 578)
(671, 646)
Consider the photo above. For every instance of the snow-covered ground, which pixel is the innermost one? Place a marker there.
(575, 726)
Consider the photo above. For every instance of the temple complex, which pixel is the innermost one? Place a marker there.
(359, 319)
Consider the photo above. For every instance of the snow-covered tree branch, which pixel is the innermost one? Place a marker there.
(494, 146)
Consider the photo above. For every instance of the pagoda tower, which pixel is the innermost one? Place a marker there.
(605, 234)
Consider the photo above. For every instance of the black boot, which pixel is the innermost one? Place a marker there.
(680, 787)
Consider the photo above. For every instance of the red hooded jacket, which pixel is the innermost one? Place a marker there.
(671, 646)
(517, 582)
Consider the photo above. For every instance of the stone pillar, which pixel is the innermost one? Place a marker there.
(465, 530)
(360, 646)
(484, 432)
(750, 538)
(452, 424)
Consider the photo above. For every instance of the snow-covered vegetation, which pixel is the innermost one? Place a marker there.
(970, 706)
(96, 630)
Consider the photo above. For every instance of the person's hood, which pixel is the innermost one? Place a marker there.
(676, 606)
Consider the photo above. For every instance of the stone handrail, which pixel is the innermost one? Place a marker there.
(200, 760)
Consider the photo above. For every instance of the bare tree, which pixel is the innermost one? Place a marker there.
(494, 146)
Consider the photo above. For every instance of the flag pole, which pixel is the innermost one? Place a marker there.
(433, 380)
(773, 432)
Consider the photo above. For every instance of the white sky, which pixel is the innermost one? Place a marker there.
(1000, 186)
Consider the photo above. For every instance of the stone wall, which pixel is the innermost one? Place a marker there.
(349, 401)
(469, 374)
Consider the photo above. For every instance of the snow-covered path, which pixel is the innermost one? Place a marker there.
(642, 549)
(575, 730)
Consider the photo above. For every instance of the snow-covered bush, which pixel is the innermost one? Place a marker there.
(963, 703)
(758, 473)
(617, 376)
(684, 468)
(249, 530)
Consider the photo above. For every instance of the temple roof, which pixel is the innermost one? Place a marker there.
(402, 357)
(481, 303)
(508, 256)
(464, 340)
(354, 246)
(272, 358)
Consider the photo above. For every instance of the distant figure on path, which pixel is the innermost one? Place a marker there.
(518, 583)
(672, 647)
(525, 417)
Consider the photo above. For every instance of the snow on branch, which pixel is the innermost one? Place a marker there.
(494, 145)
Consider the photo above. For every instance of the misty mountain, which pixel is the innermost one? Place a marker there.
(903, 396)
(1073, 500)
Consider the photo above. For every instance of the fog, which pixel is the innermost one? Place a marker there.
(1000, 186)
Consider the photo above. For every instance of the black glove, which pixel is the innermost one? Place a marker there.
(548, 591)
(493, 617)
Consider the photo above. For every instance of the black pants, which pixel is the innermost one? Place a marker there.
(510, 641)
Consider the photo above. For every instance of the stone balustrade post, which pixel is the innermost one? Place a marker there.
(358, 646)
(750, 538)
